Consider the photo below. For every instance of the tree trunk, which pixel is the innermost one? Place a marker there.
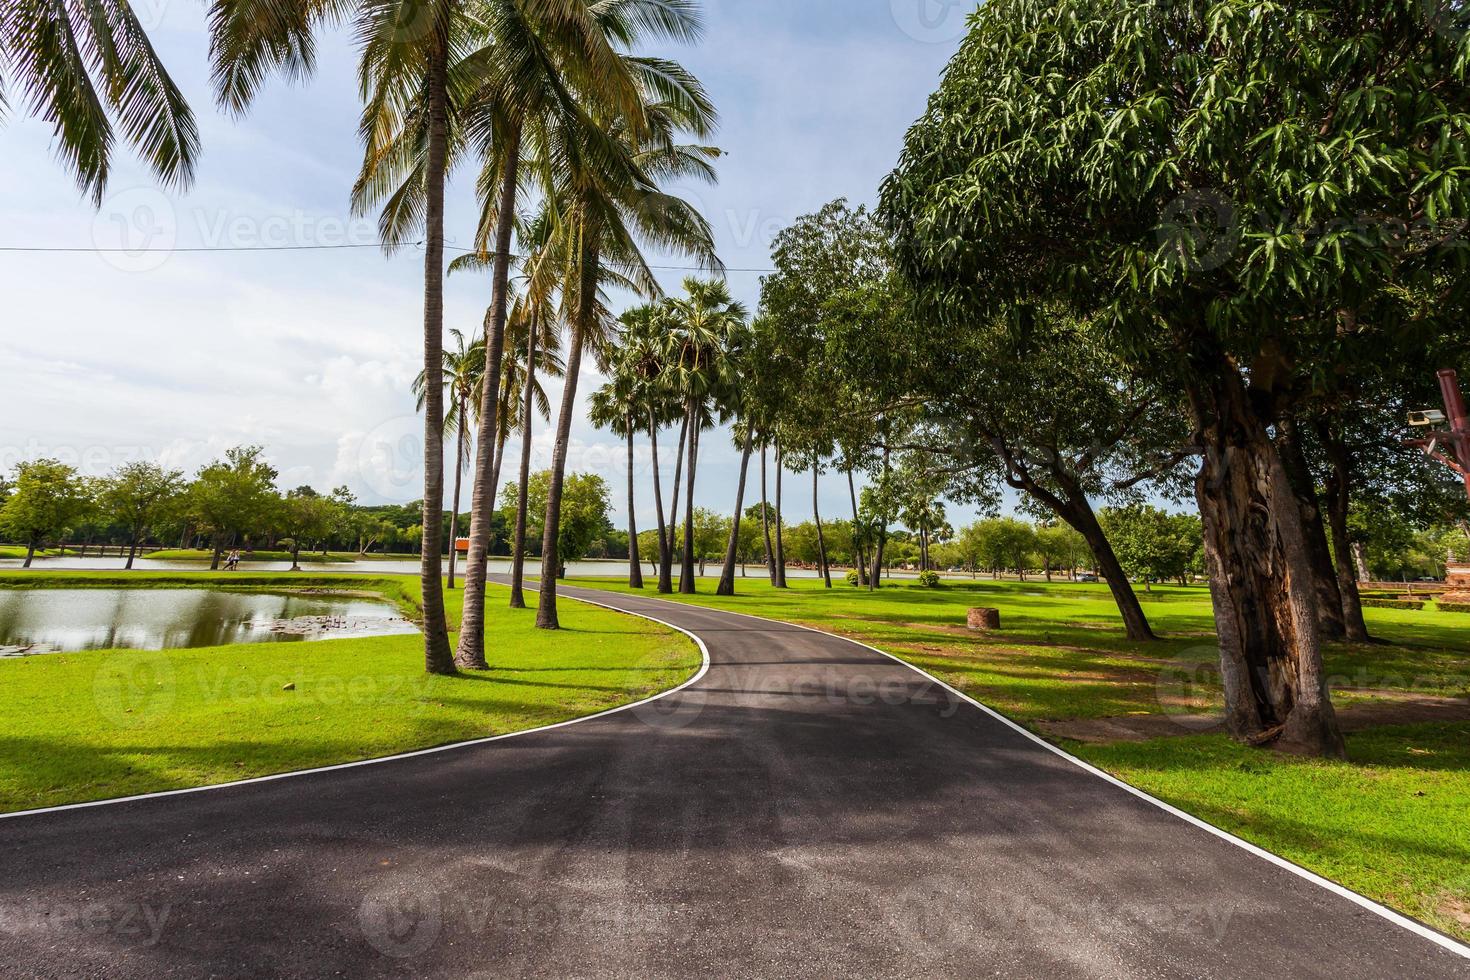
(295, 555)
(859, 550)
(727, 575)
(219, 548)
(766, 521)
(635, 567)
(780, 562)
(133, 549)
(666, 573)
(665, 578)
(551, 566)
(437, 656)
(1339, 501)
(31, 550)
(471, 652)
(821, 538)
(1304, 486)
(1261, 579)
(518, 549)
(686, 564)
(458, 486)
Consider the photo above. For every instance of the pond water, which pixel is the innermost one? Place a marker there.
(36, 621)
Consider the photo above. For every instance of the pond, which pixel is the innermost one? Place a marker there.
(34, 621)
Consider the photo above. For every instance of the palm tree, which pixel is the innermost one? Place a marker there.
(707, 318)
(464, 372)
(616, 406)
(57, 52)
(607, 204)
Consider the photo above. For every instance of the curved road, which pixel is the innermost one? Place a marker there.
(808, 808)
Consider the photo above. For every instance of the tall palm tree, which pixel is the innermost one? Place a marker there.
(608, 205)
(464, 372)
(615, 406)
(707, 318)
(57, 52)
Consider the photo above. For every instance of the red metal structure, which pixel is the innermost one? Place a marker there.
(1451, 447)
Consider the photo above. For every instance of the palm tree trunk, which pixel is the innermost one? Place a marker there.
(859, 552)
(821, 538)
(518, 547)
(666, 574)
(780, 562)
(727, 575)
(437, 656)
(766, 521)
(665, 585)
(458, 485)
(635, 567)
(471, 652)
(546, 617)
(686, 565)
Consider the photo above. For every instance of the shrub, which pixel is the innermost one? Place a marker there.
(929, 580)
(1459, 607)
(1394, 604)
(853, 578)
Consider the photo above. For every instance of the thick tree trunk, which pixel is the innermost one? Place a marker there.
(437, 656)
(1339, 501)
(133, 549)
(546, 617)
(1304, 486)
(859, 550)
(30, 551)
(665, 578)
(635, 567)
(295, 556)
(780, 544)
(518, 548)
(471, 652)
(686, 565)
(666, 572)
(766, 521)
(458, 486)
(1261, 578)
(727, 574)
(821, 538)
(219, 549)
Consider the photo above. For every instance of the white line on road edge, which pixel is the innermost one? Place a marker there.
(1397, 918)
(704, 669)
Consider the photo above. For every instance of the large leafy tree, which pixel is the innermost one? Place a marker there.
(233, 496)
(140, 496)
(1090, 151)
(46, 498)
(88, 69)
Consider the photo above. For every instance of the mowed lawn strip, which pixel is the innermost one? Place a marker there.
(76, 727)
(1391, 823)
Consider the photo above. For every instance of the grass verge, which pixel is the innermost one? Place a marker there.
(1389, 823)
(86, 726)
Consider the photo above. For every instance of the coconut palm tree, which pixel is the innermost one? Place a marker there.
(86, 67)
(615, 406)
(707, 318)
(464, 372)
(608, 208)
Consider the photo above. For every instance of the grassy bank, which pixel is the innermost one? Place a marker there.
(191, 554)
(1390, 823)
(86, 726)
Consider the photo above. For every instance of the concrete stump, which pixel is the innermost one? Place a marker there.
(984, 620)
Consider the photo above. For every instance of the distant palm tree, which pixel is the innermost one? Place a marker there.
(707, 319)
(616, 407)
(464, 372)
(57, 52)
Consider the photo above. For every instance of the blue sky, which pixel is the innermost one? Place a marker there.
(178, 355)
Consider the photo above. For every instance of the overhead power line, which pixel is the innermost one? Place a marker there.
(77, 249)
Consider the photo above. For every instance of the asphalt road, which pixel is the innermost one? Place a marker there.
(808, 808)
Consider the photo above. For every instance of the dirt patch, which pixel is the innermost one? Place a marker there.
(1395, 709)
(1456, 910)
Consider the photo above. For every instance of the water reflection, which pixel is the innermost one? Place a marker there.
(65, 620)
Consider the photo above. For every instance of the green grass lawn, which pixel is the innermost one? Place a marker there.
(193, 554)
(1393, 823)
(87, 726)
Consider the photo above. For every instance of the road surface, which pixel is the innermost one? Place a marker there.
(807, 808)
